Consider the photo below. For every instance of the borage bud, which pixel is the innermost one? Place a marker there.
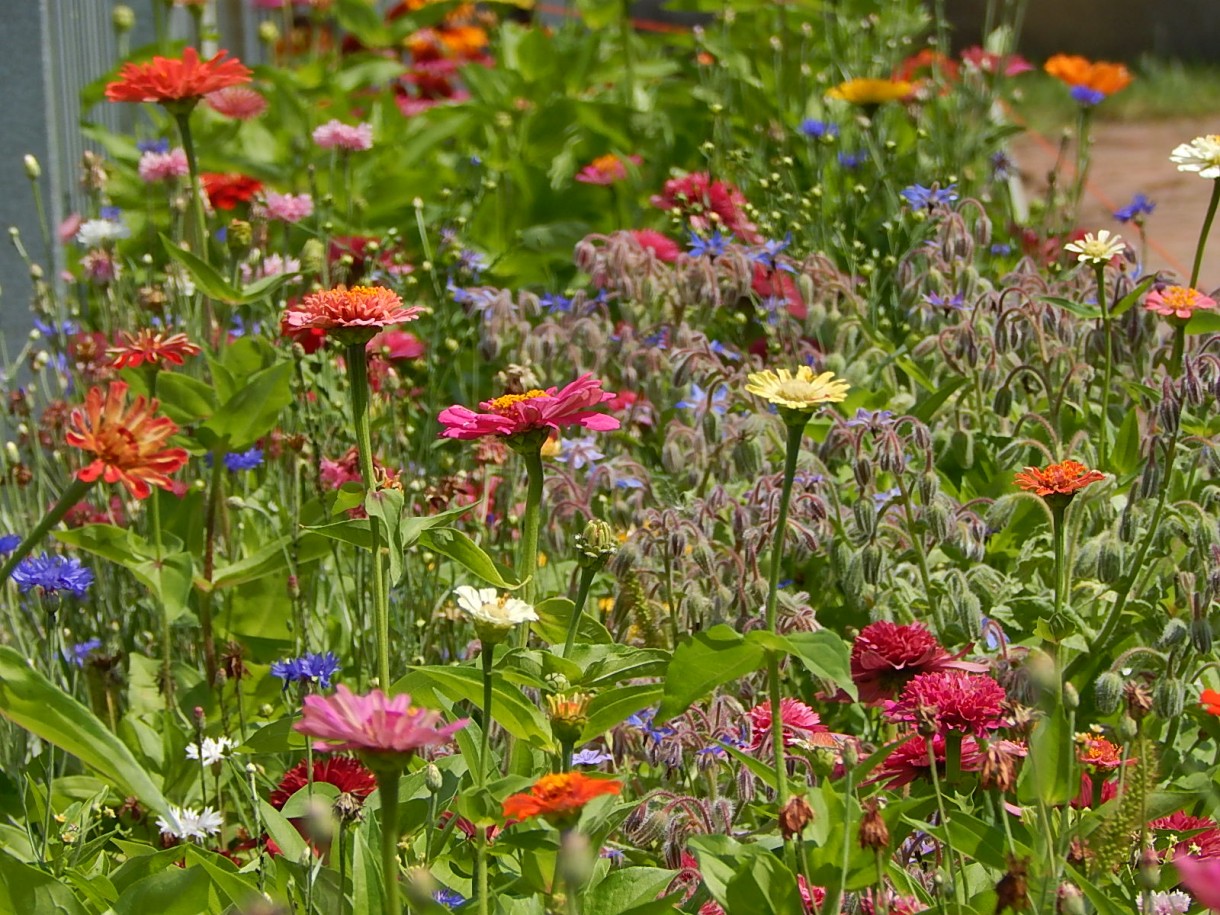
(1169, 697)
(1108, 692)
(865, 515)
(1201, 634)
(1174, 634)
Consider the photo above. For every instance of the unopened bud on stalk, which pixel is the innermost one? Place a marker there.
(268, 32)
(1201, 634)
(123, 18)
(870, 562)
(1174, 634)
(1108, 692)
(865, 515)
(1169, 697)
(1127, 729)
(433, 778)
(33, 170)
(239, 236)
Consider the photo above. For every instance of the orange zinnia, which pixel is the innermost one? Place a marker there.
(559, 798)
(150, 346)
(353, 315)
(1058, 480)
(1211, 701)
(127, 443)
(1100, 76)
(168, 80)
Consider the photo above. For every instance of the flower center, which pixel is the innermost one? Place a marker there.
(1180, 298)
(504, 403)
(116, 446)
(796, 390)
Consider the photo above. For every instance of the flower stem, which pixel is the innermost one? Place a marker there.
(1179, 347)
(1204, 232)
(215, 495)
(183, 119)
(1107, 334)
(582, 594)
(358, 381)
(387, 789)
(527, 559)
(73, 494)
(485, 741)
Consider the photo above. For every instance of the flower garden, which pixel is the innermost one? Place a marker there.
(479, 459)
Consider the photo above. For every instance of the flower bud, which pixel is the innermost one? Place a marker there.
(569, 714)
(865, 515)
(823, 761)
(1071, 900)
(1201, 634)
(870, 563)
(268, 32)
(1108, 692)
(239, 237)
(1174, 634)
(748, 457)
(1071, 698)
(1169, 697)
(1109, 560)
(595, 545)
(1127, 729)
(313, 255)
(433, 778)
(33, 170)
(123, 18)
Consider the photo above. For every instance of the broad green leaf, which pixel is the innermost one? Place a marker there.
(511, 709)
(926, 408)
(1048, 774)
(1079, 309)
(173, 891)
(366, 873)
(597, 14)
(24, 888)
(719, 655)
(825, 655)
(240, 889)
(385, 505)
(1124, 304)
(184, 399)
(351, 530)
(617, 705)
(251, 412)
(1203, 322)
(209, 281)
(630, 890)
(30, 701)
(554, 617)
(283, 832)
(605, 665)
(461, 549)
(270, 559)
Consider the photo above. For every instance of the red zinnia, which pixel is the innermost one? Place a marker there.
(167, 79)
(1205, 841)
(952, 700)
(349, 775)
(534, 410)
(395, 345)
(909, 761)
(1211, 701)
(356, 313)
(697, 196)
(1058, 480)
(559, 798)
(150, 346)
(663, 248)
(800, 722)
(127, 443)
(225, 192)
(886, 655)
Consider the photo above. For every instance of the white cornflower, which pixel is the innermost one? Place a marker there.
(185, 823)
(485, 606)
(94, 233)
(1097, 249)
(211, 750)
(1202, 155)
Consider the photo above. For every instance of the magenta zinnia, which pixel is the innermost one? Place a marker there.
(886, 655)
(375, 724)
(951, 700)
(514, 414)
(798, 720)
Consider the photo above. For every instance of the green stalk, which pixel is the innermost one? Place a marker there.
(1059, 535)
(587, 575)
(358, 380)
(1179, 347)
(183, 120)
(1204, 232)
(387, 789)
(484, 740)
(1107, 333)
(527, 558)
(215, 495)
(72, 495)
(957, 871)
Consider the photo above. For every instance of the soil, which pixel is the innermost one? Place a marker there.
(1131, 158)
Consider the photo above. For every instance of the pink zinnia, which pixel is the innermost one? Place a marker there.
(166, 166)
(697, 195)
(605, 170)
(953, 700)
(663, 248)
(1177, 301)
(886, 655)
(396, 345)
(334, 134)
(373, 724)
(909, 760)
(1203, 845)
(514, 414)
(238, 102)
(354, 314)
(800, 722)
(288, 207)
(1201, 878)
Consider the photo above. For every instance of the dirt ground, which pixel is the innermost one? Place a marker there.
(1131, 158)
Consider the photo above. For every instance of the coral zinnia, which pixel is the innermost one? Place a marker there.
(1211, 701)
(353, 315)
(377, 726)
(225, 192)
(170, 81)
(801, 390)
(868, 93)
(951, 700)
(886, 655)
(605, 170)
(349, 775)
(153, 347)
(514, 414)
(799, 722)
(1058, 483)
(238, 102)
(1100, 76)
(559, 798)
(1177, 301)
(126, 442)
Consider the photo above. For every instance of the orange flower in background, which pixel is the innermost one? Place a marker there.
(127, 442)
(1100, 76)
(185, 80)
(150, 346)
(1211, 701)
(1058, 480)
(559, 798)
(925, 64)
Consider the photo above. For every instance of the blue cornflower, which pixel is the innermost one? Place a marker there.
(240, 328)
(67, 329)
(940, 301)
(472, 262)
(1139, 206)
(1000, 249)
(8, 543)
(1002, 167)
(79, 653)
(852, 161)
(818, 130)
(629, 483)
(644, 722)
(1087, 97)
(554, 302)
(925, 198)
(723, 351)
(52, 574)
(153, 146)
(709, 247)
(590, 757)
(243, 460)
(769, 251)
(698, 400)
(307, 668)
(865, 417)
(114, 214)
(449, 898)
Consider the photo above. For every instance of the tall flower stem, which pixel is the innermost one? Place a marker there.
(587, 575)
(215, 496)
(387, 789)
(1204, 232)
(358, 381)
(183, 120)
(1107, 335)
(527, 559)
(72, 495)
(955, 868)
(796, 430)
(1059, 536)
(1179, 348)
(485, 741)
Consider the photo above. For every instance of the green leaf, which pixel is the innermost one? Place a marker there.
(27, 889)
(630, 890)
(352, 530)
(1203, 322)
(30, 701)
(617, 705)
(1124, 304)
(184, 399)
(386, 506)
(212, 284)
(1126, 456)
(597, 14)
(511, 709)
(461, 549)
(1047, 774)
(241, 889)
(1079, 309)
(926, 408)
(554, 618)
(719, 655)
(605, 665)
(283, 832)
(173, 891)
(271, 559)
(250, 413)
(825, 655)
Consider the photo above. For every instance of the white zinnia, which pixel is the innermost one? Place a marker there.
(1097, 249)
(185, 823)
(210, 750)
(94, 233)
(486, 606)
(1202, 155)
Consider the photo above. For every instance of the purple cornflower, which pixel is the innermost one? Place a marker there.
(8, 543)
(927, 198)
(307, 668)
(114, 214)
(79, 653)
(52, 574)
(243, 460)
(769, 251)
(714, 246)
(1087, 97)
(67, 329)
(1139, 206)
(818, 130)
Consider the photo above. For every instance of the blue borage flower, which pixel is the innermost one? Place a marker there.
(643, 721)
(1087, 97)
(818, 130)
(52, 574)
(449, 898)
(554, 302)
(1139, 206)
(308, 668)
(79, 653)
(590, 757)
(698, 400)
(872, 418)
(766, 254)
(580, 452)
(8, 543)
(927, 198)
(940, 301)
(714, 246)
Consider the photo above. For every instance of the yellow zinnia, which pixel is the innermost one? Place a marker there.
(802, 390)
(871, 92)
